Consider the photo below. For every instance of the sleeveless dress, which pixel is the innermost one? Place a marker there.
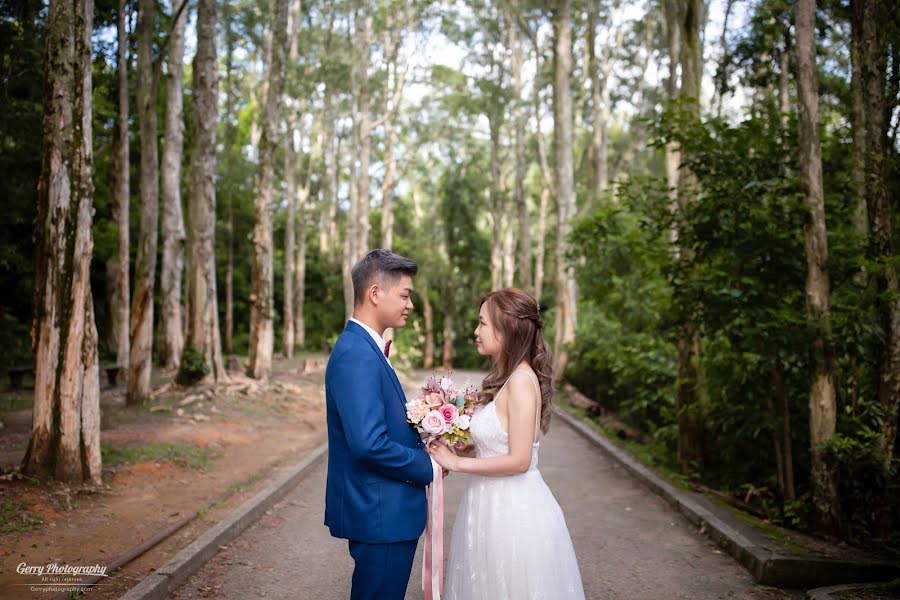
(510, 540)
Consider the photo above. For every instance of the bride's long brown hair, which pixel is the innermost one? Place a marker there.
(517, 319)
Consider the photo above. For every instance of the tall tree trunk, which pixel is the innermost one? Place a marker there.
(364, 148)
(393, 38)
(784, 74)
(562, 100)
(449, 310)
(786, 437)
(721, 78)
(290, 176)
(328, 214)
(203, 319)
(141, 331)
(261, 297)
(857, 121)
(230, 135)
(119, 308)
(427, 310)
(822, 408)
(599, 71)
(350, 237)
(684, 25)
(65, 435)
(875, 16)
(546, 186)
(290, 233)
(496, 207)
(171, 343)
(327, 223)
(300, 274)
(519, 118)
(672, 11)
(509, 246)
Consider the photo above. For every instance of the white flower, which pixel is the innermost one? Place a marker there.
(462, 421)
(446, 383)
(416, 410)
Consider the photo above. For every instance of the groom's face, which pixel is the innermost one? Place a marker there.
(395, 301)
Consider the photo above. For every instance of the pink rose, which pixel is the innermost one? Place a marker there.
(449, 412)
(433, 423)
(434, 400)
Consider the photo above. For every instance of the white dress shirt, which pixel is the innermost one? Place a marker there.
(378, 339)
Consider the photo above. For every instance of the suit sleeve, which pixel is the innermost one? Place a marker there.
(357, 396)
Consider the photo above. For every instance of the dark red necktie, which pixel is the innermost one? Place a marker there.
(387, 349)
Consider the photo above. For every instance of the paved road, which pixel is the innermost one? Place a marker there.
(630, 544)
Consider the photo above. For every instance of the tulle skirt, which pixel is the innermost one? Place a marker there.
(510, 542)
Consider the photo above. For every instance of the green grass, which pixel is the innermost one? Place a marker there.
(15, 519)
(13, 401)
(192, 457)
(772, 532)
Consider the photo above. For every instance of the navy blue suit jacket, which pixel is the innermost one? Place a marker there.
(377, 466)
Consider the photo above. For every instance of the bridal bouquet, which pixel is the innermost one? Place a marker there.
(442, 412)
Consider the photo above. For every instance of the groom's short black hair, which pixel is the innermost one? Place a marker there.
(379, 266)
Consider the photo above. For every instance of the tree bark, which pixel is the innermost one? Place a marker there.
(203, 319)
(496, 206)
(302, 200)
(119, 308)
(393, 38)
(857, 121)
(672, 13)
(822, 408)
(290, 176)
(65, 436)
(328, 214)
(875, 16)
(230, 135)
(546, 185)
(261, 298)
(449, 310)
(519, 119)
(599, 71)
(328, 221)
(171, 343)
(562, 99)
(141, 332)
(364, 147)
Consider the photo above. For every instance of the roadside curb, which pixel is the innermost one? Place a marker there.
(765, 565)
(825, 593)
(189, 559)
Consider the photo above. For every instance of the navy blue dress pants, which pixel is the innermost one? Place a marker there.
(382, 570)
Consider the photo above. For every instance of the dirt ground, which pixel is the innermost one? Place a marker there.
(227, 442)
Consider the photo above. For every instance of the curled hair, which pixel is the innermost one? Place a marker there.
(516, 317)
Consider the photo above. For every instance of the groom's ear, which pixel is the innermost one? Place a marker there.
(373, 294)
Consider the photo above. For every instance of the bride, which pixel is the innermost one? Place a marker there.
(510, 540)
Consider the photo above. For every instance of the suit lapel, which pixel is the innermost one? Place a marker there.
(354, 328)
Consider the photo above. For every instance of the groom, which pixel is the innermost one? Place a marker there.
(377, 466)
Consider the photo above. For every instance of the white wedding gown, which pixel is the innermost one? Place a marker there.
(510, 540)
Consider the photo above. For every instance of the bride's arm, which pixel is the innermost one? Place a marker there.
(522, 408)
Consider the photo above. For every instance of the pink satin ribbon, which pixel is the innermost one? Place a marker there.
(433, 563)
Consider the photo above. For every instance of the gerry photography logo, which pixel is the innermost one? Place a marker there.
(57, 577)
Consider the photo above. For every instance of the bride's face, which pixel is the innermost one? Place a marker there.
(487, 341)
